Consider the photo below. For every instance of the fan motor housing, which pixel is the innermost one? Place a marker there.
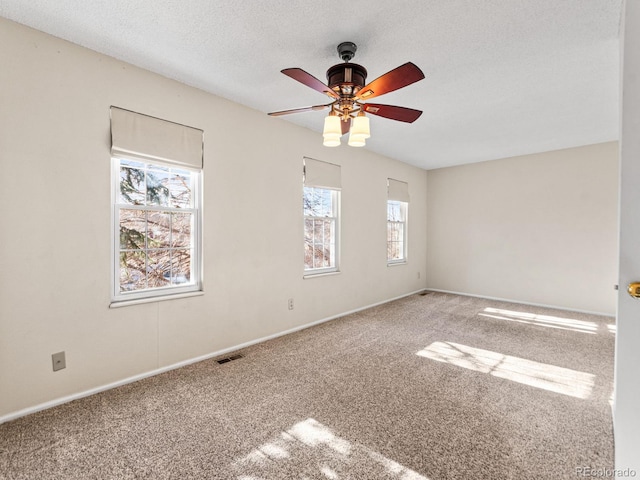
(346, 78)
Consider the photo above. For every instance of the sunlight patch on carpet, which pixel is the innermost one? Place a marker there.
(549, 321)
(311, 448)
(535, 374)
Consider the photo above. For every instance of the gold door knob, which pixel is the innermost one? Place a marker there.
(634, 289)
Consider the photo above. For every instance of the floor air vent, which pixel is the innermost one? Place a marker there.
(228, 359)
(425, 293)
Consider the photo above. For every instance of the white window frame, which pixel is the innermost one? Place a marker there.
(335, 218)
(121, 298)
(404, 210)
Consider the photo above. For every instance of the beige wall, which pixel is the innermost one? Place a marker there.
(55, 233)
(538, 228)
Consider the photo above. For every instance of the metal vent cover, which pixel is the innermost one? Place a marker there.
(229, 359)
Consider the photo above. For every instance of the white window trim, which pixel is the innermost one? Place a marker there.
(140, 301)
(315, 272)
(307, 276)
(405, 210)
(119, 299)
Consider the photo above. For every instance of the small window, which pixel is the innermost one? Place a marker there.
(321, 207)
(156, 229)
(396, 231)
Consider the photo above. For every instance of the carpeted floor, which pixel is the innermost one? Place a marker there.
(432, 386)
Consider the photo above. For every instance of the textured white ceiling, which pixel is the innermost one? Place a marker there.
(503, 77)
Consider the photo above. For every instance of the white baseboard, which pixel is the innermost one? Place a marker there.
(135, 378)
(521, 302)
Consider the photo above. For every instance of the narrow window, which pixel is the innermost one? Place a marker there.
(320, 229)
(396, 231)
(321, 211)
(397, 206)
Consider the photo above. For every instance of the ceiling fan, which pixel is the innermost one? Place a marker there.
(348, 91)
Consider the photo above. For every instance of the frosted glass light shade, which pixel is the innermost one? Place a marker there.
(331, 141)
(356, 140)
(332, 128)
(360, 127)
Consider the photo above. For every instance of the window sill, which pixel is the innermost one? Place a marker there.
(159, 298)
(321, 274)
(395, 264)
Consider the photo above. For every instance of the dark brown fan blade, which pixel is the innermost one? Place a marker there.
(309, 80)
(300, 110)
(402, 114)
(346, 126)
(397, 78)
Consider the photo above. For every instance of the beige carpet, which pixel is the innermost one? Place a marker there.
(428, 387)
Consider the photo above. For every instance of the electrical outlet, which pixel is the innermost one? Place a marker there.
(418, 275)
(291, 304)
(58, 360)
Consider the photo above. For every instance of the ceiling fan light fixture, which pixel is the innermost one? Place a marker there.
(346, 85)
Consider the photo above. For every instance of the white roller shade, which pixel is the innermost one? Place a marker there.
(321, 174)
(397, 190)
(149, 138)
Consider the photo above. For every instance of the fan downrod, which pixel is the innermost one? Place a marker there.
(347, 50)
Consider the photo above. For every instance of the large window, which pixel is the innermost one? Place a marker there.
(156, 207)
(321, 210)
(156, 215)
(397, 206)
(320, 229)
